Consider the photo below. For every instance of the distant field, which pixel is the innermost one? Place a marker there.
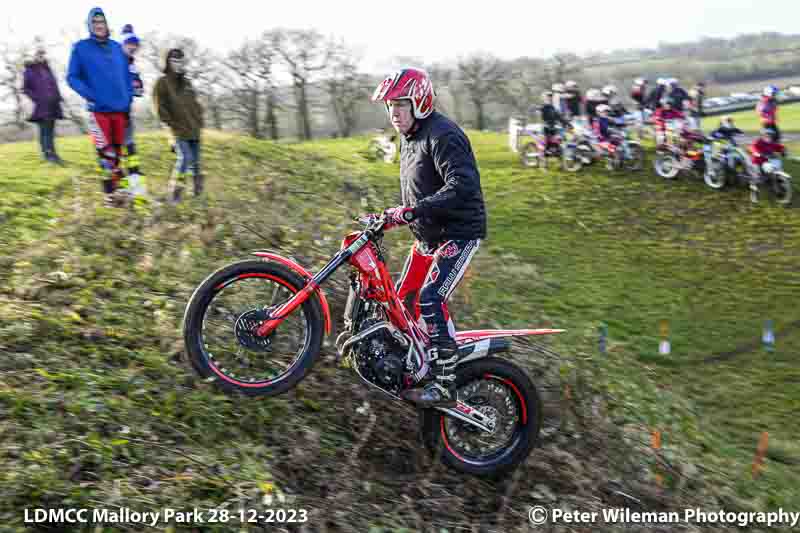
(748, 86)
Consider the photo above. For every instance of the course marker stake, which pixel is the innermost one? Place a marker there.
(761, 451)
(768, 336)
(664, 347)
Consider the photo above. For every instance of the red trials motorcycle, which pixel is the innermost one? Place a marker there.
(256, 327)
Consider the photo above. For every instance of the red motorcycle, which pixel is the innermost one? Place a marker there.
(256, 327)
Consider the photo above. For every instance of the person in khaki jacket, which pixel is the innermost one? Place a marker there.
(176, 105)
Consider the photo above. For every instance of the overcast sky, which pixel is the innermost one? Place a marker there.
(432, 29)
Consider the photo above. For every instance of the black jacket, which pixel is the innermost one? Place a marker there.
(678, 96)
(574, 103)
(724, 132)
(439, 178)
(654, 100)
(550, 115)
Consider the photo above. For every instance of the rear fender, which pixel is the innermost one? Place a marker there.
(306, 275)
(483, 343)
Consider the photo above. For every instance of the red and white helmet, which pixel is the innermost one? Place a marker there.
(408, 84)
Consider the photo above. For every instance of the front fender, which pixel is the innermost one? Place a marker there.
(306, 275)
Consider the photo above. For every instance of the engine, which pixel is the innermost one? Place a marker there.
(381, 358)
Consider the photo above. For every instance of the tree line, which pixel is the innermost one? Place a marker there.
(298, 83)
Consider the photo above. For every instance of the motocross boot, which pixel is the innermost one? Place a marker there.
(437, 389)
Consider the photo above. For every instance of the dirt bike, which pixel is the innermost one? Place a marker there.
(725, 164)
(620, 153)
(539, 149)
(675, 153)
(778, 182)
(264, 342)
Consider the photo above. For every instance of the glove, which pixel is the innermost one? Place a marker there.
(398, 216)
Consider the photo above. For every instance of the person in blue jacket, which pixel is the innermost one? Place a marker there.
(99, 72)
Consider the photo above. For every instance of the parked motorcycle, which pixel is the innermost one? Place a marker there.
(725, 164)
(776, 180)
(256, 327)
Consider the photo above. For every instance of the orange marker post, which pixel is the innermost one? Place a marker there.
(655, 443)
(761, 452)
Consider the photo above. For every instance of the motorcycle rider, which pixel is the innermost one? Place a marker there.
(443, 203)
(767, 109)
(551, 117)
(573, 99)
(656, 96)
(616, 107)
(727, 130)
(664, 114)
(602, 125)
(677, 95)
(760, 152)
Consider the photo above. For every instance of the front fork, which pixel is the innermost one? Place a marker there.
(279, 314)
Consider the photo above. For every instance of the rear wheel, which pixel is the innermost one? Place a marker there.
(220, 329)
(782, 188)
(501, 391)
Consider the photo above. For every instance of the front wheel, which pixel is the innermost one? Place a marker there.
(782, 188)
(501, 391)
(531, 156)
(570, 159)
(666, 165)
(715, 174)
(220, 322)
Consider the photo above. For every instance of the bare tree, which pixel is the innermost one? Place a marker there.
(346, 86)
(523, 83)
(252, 86)
(563, 66)
(481, 76)
(12, 62)
(305, 54)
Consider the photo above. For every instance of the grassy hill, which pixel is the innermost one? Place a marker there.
(98, 407)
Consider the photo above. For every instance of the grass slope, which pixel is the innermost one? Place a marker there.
(98, 408)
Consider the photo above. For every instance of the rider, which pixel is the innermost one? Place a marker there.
(617, 108)
(760, 152)
(551, 118)
(443, 202)
(639, 95)
(573, 99)
(602, 125)
(664, 113)
(677, 95)
(767, 110)
(727, 130)
(594, 98)
(656, 96)
(559, 98)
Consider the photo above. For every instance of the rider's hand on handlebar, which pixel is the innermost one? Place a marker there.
(398, 216)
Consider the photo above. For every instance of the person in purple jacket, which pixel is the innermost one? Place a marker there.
(42, 88)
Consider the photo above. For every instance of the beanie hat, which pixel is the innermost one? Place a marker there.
(128, 36)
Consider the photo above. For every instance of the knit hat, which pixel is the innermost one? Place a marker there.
(128, 36)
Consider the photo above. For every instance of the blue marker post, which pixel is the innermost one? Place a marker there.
(768, 336)
(603, 336)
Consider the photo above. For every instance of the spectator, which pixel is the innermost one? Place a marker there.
(176, 105)
(42, 88)
(99, 72)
